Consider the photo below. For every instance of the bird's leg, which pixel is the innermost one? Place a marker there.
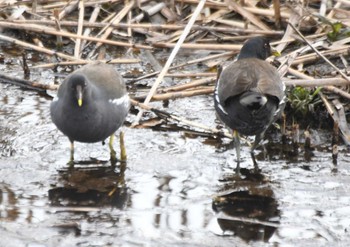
(237, 143)
(123, 156)
(258, 138)
(111, 149)
(256, 167)
(71, 158)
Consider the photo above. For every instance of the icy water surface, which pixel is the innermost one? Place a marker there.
(174, 190)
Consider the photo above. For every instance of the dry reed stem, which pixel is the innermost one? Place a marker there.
(70, 63)
(87, 31)
(308, 58)
(148, 26)
(192, 84)
(115, 20)
(183, 121)
(177, 95)
(248, 15)
(337, 91)
(212, 47)
(79, 29)
(45, 30)
(68, 9)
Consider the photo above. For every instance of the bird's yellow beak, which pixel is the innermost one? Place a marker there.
(80, 95)
(275, 52)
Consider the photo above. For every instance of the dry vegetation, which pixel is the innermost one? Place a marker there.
(313, 37)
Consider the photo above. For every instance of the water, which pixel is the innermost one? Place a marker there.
(176, 189)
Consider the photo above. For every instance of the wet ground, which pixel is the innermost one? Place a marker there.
(176, 189)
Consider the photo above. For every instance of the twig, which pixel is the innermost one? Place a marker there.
(316, 82)
(249, 16)
(92, 19)
(277, 12)
(68, 9)
(152, 26)
(40, 87)
(39, 29)
(188, 75)
(58, 28)
(213, 47)
(182, 94)
(171, 57)
(312, 57)
(267, 12)
(337, 91)
(165, 115)
(80, 29)
(115, 20)
(192, 84)
(69, 63)
(37, 48)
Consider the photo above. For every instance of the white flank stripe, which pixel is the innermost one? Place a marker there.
(55, 98)
(216, 96)
(125, 100)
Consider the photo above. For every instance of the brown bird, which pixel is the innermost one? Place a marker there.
(91, 104)
(249, 94)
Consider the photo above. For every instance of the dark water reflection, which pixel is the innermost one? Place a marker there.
(90, 185)
(246, 207)
(10, 210)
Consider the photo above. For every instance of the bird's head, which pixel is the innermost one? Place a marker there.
(258, 47)
(79, 86)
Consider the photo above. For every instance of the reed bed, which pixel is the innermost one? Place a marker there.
(310, 35)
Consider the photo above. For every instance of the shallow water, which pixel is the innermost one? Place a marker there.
(174, 190)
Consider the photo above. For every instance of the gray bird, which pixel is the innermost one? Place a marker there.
(91, 104)
(249, 94)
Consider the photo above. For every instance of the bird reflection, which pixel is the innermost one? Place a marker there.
(246, 207)
(91, 185)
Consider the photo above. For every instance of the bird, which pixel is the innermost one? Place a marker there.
(249, 94)
(91, 105)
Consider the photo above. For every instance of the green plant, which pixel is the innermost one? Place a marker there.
(303, 101)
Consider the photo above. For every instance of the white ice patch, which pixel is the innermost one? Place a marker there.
(124, 101)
